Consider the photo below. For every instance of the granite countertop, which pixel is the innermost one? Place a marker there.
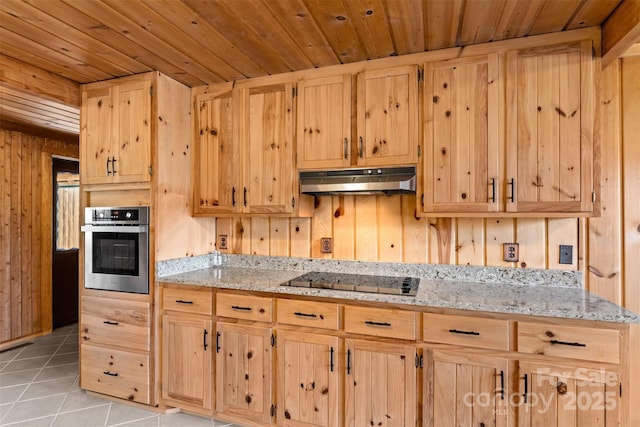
(569, 302)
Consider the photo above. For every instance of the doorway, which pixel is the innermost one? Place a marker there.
(66, 241)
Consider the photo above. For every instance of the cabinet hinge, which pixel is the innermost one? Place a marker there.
(294, 92)
(421, 361)
(422, 199)
(593, 197)
(150, 90)
(419, 151)
(593, 52)
(150, 170)
(293, 202)
(273, 340)
(272, 411)
(417, 361)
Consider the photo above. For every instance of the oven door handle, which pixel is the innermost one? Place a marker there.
(115, 228)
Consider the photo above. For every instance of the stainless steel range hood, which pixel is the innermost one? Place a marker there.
(401, 180)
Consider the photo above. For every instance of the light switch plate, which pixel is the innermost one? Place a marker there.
(511, 252)
(325, 245)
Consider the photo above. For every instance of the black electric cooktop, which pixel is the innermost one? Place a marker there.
(357, 282)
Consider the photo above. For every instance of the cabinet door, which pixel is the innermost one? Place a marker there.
(132, 143)
(380, 384)
(96, 135)
(217, 158)
(557, 395)
(550, 124)
(244, 366)
(324, 122)
(388, 116)
(308, 385)
(465, 389)
(461, 172)
(187, 362)
(268, 132)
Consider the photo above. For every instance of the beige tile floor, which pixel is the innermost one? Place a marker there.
(39, 387)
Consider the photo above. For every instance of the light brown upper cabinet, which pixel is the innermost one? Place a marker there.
(115, 131)
(217, 157)
(550, 96)
(387, 116)
(244, 158)
(461, 138)
(387, 120)
(324, 122)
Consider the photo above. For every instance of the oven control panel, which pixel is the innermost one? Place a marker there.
(115, 215)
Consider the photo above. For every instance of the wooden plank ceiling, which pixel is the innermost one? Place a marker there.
(200, 42)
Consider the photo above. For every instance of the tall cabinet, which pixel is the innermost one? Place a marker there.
(131, 129)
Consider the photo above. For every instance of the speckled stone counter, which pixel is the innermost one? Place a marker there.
(524, 292)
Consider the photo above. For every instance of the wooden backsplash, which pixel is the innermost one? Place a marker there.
(385, 228)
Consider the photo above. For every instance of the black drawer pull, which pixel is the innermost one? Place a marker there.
(348, 362)
(502, 385)
(572, 344)
(369, 322)
(331, 360)
(237, 307)
(204, 339)
(297, 313)
(108, 322)
(110, 374)
(179, 301)
(457, 331)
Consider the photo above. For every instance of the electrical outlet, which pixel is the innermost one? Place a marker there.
(223, 241)
(325, 245)
(566, 254)
(511, 252)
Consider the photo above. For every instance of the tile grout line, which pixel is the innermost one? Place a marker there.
(31, 382)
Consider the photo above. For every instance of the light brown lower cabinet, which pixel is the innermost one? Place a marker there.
(187, 355)
(380, 384)
(464, 388)
(559, 395)
(308, 379)
(244, 371)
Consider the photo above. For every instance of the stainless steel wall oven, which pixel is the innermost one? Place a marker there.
(116, 250)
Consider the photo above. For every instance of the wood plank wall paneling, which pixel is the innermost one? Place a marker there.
(25, 232)
(382, 228)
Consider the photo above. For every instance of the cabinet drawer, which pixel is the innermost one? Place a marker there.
(188, 300)
(602, 345)
(244, 307)
(466, 331)
(112, 322)
(116, 373)
(380, 322)
(308, 313)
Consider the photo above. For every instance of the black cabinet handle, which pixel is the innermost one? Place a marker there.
(572, 344)
(179, 301)
(457, 331)
(346, 146)
(204, 339)
(348, 362)
(237, 307)
(360, 148)
(218, 342)
(493, 190)
(113, 165)
(108, 322)
(502, 385)
(110, 374)
(512, 183)
(108, 168)
(297, 313)
(233, 196)
(526, 387)
(331, 359)
(371, 323)
(244, 189)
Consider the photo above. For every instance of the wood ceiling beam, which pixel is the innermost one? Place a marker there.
(620, 31)
(34, 80)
